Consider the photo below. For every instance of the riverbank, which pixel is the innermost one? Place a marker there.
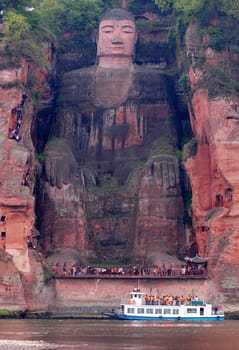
(6, 314)
(91, 297)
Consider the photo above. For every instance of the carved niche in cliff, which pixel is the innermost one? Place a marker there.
(112, 189)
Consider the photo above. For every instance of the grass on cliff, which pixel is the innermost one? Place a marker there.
(190, 149)
(232, 315)
(4, 313)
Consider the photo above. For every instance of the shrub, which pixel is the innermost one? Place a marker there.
(216, 38)
(219, 81)
(15, 26)
(184, 85)
(48, 274)
(41, 158)
(190, 149)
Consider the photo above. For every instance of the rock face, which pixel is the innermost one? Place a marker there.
(213, 173)
(18, 264)
(17, 201)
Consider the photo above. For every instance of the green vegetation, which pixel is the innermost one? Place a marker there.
(21, 35)
(142, 6)
(190, 149)
(232, 315)
(153, 52)
(17, 4)
(15, 26)
(48, 274)
(219, 80)
(13, 84)
(73, 31)
(41, 158)
(4, 313)
(216, 38)
(188, 9)
(29, 22)
(179, 154)
(163, 146)
(184, 85)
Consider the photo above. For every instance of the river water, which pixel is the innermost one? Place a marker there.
(118, 335)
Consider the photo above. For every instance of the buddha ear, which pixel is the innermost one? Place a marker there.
(135, 41)
(136, 37)
(95, 39)
(95, 36)
(97, 42)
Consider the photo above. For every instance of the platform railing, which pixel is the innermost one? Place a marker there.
(61, 271)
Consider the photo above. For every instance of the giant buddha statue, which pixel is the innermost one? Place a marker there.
(112, 189)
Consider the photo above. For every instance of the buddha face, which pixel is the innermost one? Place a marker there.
(117, 38)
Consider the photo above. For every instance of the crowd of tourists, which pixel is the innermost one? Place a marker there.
(71, 269)
(18, 112)
(169, 300)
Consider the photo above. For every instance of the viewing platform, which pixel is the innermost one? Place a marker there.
(93, 290)
(74, 272)
(114, 277)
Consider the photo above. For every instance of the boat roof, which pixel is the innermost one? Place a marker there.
(136, 290)
(196, 259)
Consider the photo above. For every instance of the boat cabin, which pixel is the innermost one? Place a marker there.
(136, 297)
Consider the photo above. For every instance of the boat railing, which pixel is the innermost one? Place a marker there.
(118, 311)
(218, 310)
(171, 301)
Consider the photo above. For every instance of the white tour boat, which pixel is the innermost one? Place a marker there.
(148, 307)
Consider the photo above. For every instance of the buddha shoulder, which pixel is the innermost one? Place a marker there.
(78, 84)
(149, 83)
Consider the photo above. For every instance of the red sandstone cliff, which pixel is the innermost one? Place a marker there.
(22, 274)
(213, 172)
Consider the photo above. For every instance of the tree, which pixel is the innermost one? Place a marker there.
(73, 21)
(15, 25)
(15, 4)
(189, 8)
(141, 6)
(165, 5)
(64, 15)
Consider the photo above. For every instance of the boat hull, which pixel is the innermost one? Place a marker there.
(162, 318)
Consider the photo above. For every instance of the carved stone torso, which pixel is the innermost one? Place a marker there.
(112, 86)
(113, 109)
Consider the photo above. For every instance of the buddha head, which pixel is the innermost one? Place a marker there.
(116, 38)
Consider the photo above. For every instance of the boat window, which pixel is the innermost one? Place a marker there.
(149, 311)
(158, 311)
(175, 311)
(130, 310)
(201, 310)
(140, 311)
(167, 311)
(191, 310)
